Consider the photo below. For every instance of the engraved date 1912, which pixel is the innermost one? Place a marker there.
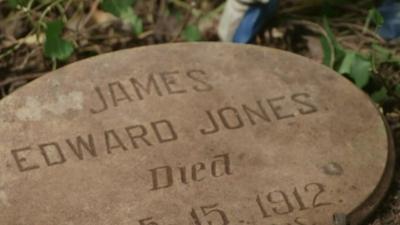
(279, 202)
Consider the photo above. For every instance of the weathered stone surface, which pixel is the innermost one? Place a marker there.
(191, 134)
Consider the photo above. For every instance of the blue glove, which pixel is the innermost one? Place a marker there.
(390, 10)
(254, 20)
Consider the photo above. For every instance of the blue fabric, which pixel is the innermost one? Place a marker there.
(254, 20)
(390, 10)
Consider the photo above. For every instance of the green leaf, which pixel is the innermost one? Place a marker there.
(55, 46)
(327, 50)
(347, 63)
(380, 96)
(356, 67)
(116, 7)
(17, 3)
(123, 9)
(361, 70)
(191, 33)
(329, 32)
(178, 15)
(379, 55)
(376, 17)
(397, 90)
(382, 54)
(339, 53)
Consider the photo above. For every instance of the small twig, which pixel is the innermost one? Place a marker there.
(214, 13)
(18, 78)
(384, 83)
(3, 92)
(186, 6)
(146, 34)
(299, 8)
(67, 5)
(99, 25)
(11, 50)
(48, 8)
(348, 37)
(93, 9)
(26, 59)
(395, 127)
(360, 28)
(26, 12)
(352, 7)
(182, 27)
(318, 29)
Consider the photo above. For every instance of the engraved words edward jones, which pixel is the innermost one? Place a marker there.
(225, 135)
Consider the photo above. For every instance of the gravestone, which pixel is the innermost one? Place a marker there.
(202, 134)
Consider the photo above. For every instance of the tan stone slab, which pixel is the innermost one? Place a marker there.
(203, 134)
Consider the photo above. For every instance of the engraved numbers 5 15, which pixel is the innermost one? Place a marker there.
(209, 210)
(204, 215)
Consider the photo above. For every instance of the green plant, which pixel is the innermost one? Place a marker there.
(37, 13)
(364, 69)
(123, 9)
(48, 18)
(191, 33)
(55, 47)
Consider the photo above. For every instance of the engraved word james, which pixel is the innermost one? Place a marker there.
(154, 84)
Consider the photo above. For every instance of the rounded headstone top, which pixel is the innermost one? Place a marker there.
(203, 134)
